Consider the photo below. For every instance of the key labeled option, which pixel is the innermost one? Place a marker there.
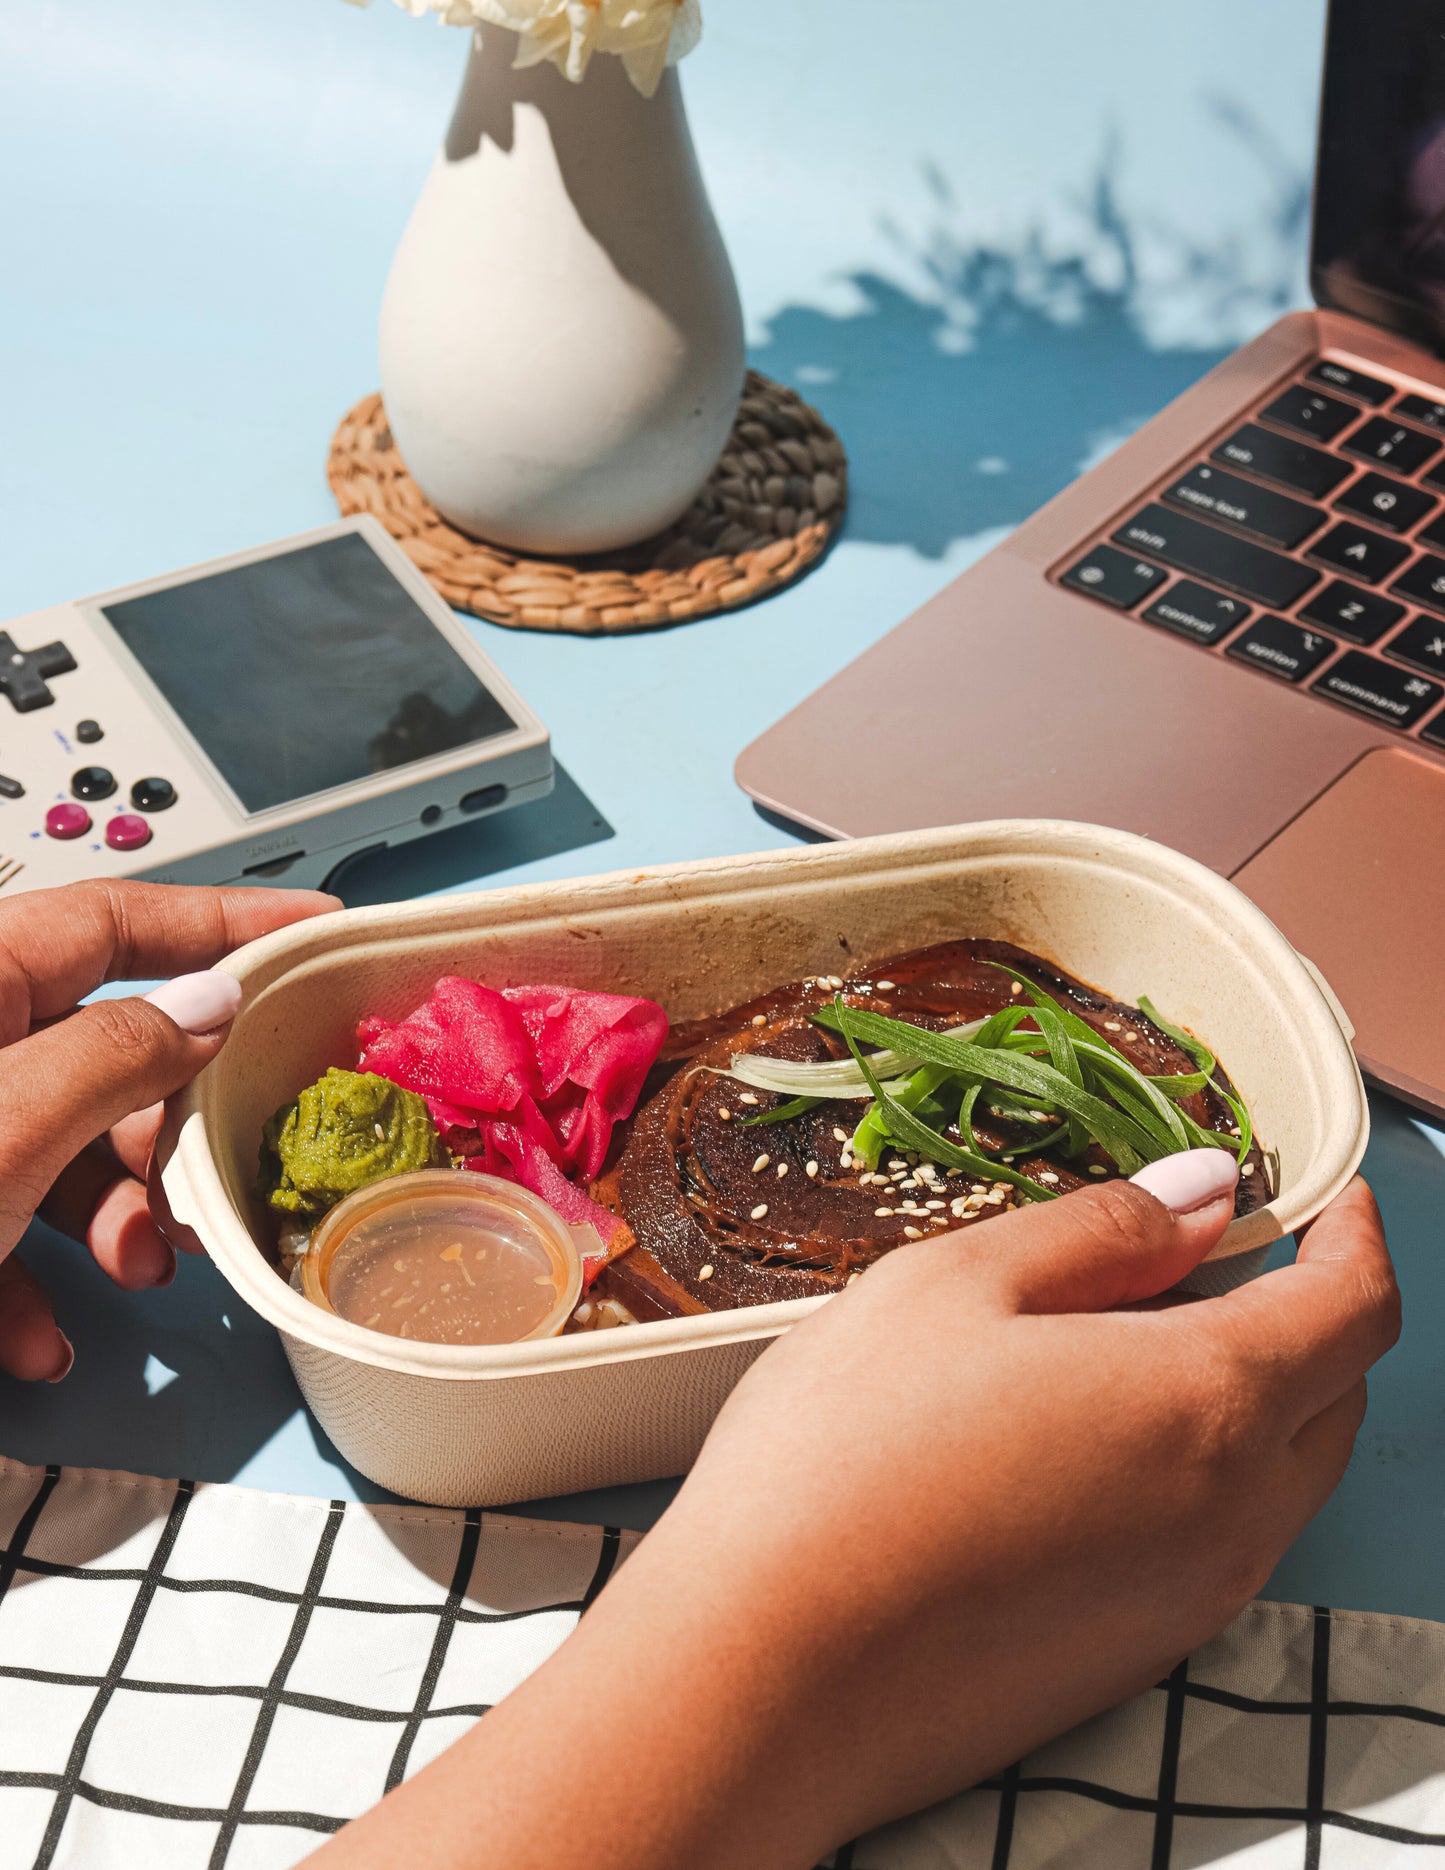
(1208, 552)
(1421, 644)
(1423, 583)
(1390, 695)
(1404, 451)
(1386, 503)
(1271, 516)
(1363, 554)
(1281, 648)
(1114, 577)
(1351, 382)
(1287, 462)
(1363, 616)
(1193, 610)
(1308, 413)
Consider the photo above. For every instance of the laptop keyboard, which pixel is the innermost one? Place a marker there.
(1309, 544)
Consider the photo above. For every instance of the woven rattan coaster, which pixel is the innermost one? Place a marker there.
(771, 509)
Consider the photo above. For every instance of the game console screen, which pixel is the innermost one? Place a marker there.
(1379, 248)
(306, 671)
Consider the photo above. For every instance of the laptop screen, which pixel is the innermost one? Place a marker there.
(1379, 239)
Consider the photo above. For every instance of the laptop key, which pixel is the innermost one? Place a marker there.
(1193, 610)
(1405, 451)
(1393, 696)
(1423, 583)
(1363, 616)
(1385, 502)
(1281, 648)
(1271, 516)
(1430, 415)
(1434, 731)
(1222, 558)
(1116, 577)
(1421, 644)
(1288, 463)
(1349, 382)
(1433, 534)
(1363, 554)
(1308, 413)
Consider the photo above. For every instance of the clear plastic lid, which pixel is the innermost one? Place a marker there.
(446, 1256)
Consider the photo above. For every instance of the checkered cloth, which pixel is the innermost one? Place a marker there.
(200, 1676)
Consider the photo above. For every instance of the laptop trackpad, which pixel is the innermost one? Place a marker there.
(1357, 883)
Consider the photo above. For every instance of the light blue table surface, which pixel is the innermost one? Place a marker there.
(987, 241)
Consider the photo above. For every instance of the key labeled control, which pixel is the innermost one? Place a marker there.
(1271, 516)
(1206, 551)
(1193, 610)
(1281, 648)
(1390, 695)
(1115, 577)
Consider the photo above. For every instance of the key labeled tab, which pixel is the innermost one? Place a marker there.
(1351, 382)
(1193, 610)
(1281, 648)
(1363, 616)
(1369, 687)
(1271, 516)
(1363, 554)
(1421, 644)
(1114, 577)
(1222, 558)
(1384, 502)
(1286, 462)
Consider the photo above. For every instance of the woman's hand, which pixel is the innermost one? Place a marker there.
(80, 1087)
(992, 1489)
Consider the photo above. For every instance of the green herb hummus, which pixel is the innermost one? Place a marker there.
(345, 1131)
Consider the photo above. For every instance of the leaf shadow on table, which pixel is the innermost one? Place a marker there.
(969, 396)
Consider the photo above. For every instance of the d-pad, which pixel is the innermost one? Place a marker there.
(23, 672)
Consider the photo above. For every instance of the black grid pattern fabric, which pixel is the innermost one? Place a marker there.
(193, 1677)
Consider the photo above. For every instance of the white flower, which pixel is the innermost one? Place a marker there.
(648, 35)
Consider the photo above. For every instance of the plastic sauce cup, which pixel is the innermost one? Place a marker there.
(447, 1256)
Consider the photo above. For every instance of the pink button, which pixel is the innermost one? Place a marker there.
(127, 832)
(67, 821)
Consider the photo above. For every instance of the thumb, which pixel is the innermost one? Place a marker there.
(70, 1082)
(1120, 1242)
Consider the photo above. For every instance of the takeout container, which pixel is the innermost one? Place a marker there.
(485, 1425)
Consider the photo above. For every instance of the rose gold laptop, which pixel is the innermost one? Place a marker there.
(1230, 635)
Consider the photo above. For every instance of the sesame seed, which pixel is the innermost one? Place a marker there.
(761, 1163)
(835, 981)
(974, 1203)
(910, 1207)
(935, 1204)
(746, 1097)
(909, 1181)
(704, 1272)
(853, 1276)
(1248, 1169)
(1015, 988)
(782, 1170)
(953, 1172)
(760, 1019)
(1113, 1025)
(881, 1214)
(839, 1136)
(885, 986)
(1097, 1169)
(1047, 1176)
(1002, 1187)
(759, 1211)
(725, 1114)
(845, 1161)
(912, 1233)
(978, 1188)
(912, 1155)
(927, 1171)
(995, 1200)
(810, 1169)
(380, 1133)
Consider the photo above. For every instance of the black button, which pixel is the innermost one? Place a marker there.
(482, 798)
(1360, 552)
(153, 795)
(1434, 731)
(1275, 457)
(1271, 516)
(1190, 545)
(1424, 582)
(1393, 696)
(10, 788)
(1195, 611)
(88, 732)
(431, 814)
(1386, 502)
(1113, 577)
(1422, 644)
(1433, 534)
(1430, 415)
(23, 672)
(1351, 382)
(1281, 648)
(93, 782)
(1363, 616)
(1382, 440)
(1307, 413)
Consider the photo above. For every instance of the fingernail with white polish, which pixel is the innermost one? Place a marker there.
(1191, 1180)
(65, 1368)
(199, 1002)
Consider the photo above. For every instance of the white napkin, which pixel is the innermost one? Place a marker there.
(206, 1676)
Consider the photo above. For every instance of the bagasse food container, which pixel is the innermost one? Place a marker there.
(484, 1425)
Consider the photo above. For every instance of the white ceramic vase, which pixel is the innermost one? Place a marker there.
(561, 339)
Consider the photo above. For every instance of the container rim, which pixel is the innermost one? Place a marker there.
(199, 1199)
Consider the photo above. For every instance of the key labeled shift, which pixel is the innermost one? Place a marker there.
(1220, 557)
